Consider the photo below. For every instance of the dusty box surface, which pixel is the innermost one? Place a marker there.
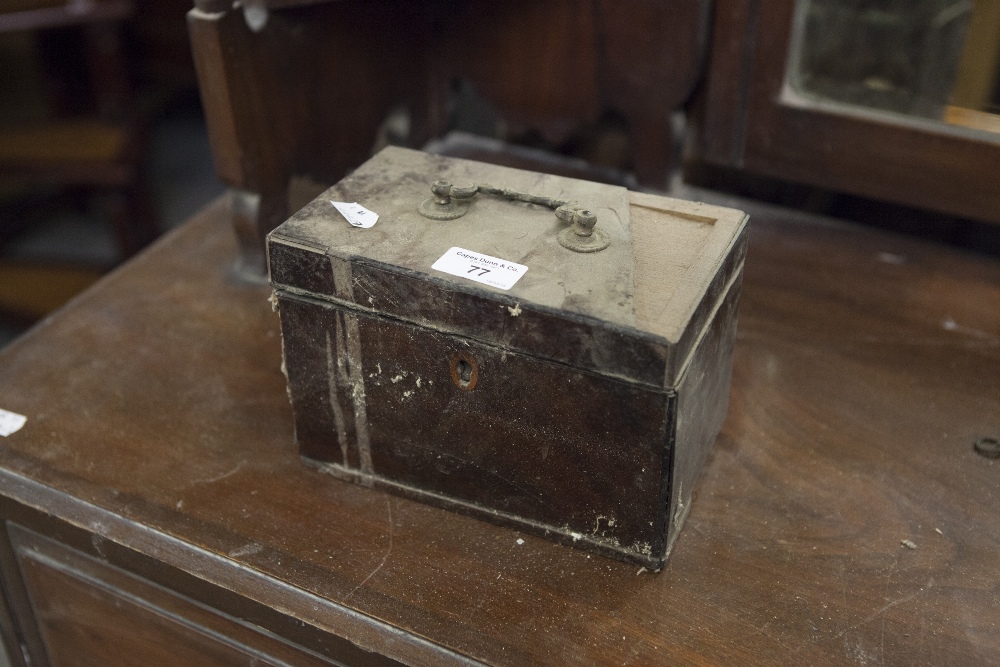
(578, 404)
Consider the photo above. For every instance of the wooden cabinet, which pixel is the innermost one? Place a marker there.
(89, 612)
(108, 560)
(155, 511)
(756, 118)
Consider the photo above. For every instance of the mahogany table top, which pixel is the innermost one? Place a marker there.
(843, 516)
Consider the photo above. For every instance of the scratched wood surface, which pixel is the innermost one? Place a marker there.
(159, 439)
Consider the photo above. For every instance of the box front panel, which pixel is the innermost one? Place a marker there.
(501, 431)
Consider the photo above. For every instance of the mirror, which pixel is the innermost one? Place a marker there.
(928, 59)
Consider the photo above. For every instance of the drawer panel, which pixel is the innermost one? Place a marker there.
(91, 613)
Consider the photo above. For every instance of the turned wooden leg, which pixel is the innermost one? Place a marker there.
(254, 215)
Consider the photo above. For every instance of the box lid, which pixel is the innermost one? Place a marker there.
(628, 311)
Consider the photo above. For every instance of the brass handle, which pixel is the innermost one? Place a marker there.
(453, 201)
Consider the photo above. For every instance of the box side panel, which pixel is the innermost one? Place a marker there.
(527, 442)
(702, 401)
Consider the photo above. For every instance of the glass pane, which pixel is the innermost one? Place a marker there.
(936, 59)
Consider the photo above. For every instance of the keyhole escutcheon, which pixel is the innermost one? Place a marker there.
(464, 370)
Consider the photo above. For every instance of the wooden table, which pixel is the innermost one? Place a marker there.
(157, 512)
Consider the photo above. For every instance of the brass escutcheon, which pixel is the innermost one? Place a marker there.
(464, 370)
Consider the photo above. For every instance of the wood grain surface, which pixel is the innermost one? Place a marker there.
(159, 440)
(92, 614)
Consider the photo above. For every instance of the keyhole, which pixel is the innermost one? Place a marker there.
(464, 371)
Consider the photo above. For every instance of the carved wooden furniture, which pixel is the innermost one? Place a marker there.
(155, 510)
(297, 88)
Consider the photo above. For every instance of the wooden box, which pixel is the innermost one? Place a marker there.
(579, 404)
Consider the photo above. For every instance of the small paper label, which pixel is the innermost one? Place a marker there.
(481, 268)
(10, 422)
(356, 214)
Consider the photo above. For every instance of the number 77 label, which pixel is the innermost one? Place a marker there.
(482, 268)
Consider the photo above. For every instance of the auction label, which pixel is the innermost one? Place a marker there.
(482, 268)
(356, 214)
